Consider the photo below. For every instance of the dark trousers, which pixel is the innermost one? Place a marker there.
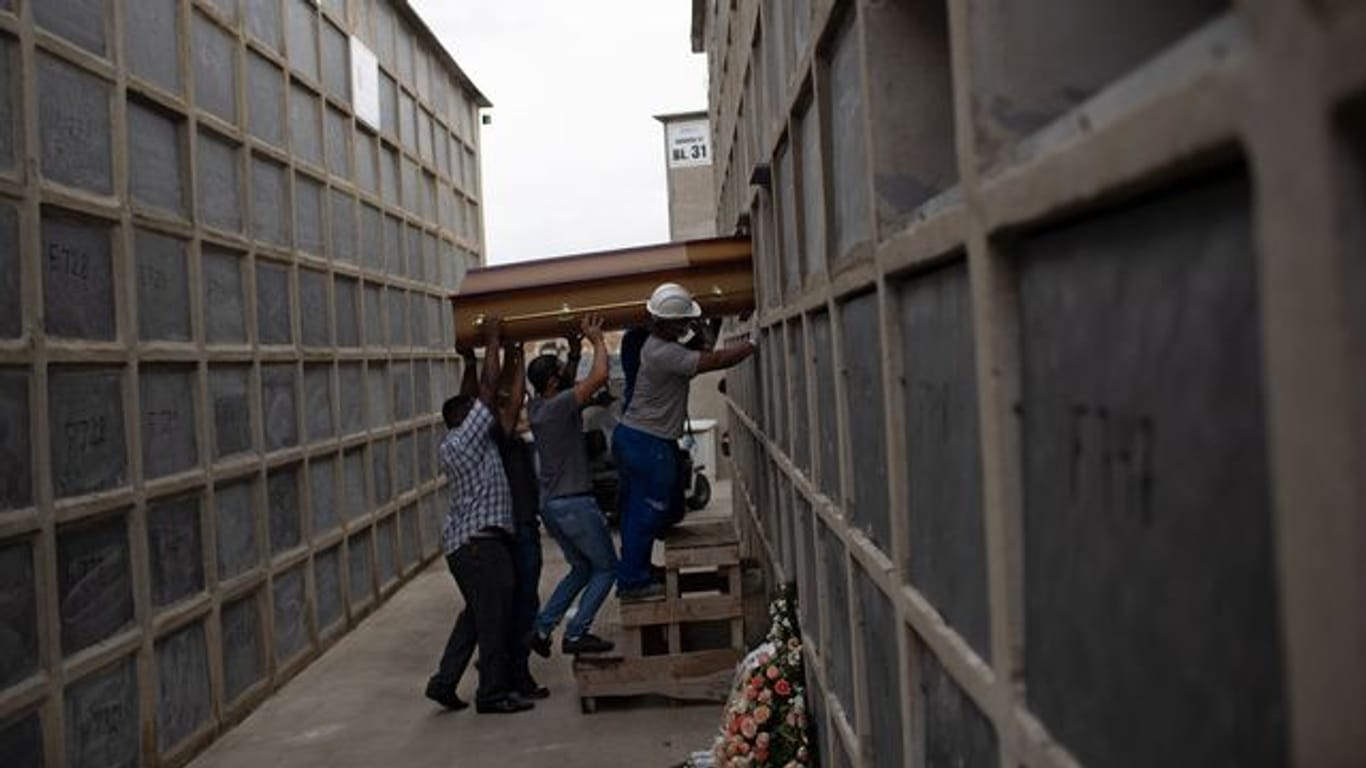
(526, 553)
(484, 572)
(527, 562)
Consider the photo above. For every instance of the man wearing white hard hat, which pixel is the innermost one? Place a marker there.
(645, 441)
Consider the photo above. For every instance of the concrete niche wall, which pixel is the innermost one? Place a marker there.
(1055, 421)
(223, 346)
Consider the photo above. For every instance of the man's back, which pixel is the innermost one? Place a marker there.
(660, 402)
(520, 467)
(480, 496)
(558, 427)
(631, 343)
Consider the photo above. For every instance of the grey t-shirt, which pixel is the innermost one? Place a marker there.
(660, 403)
(557, 425)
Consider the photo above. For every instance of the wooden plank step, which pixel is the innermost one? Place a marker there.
(705, 581)
(643, 612)
(705, 532)
(625, 641)
(695, 557)
(678, 637)
(702, 675)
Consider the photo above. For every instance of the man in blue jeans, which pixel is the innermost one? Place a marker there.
(568, 508)
(632, 342)
(645, 443)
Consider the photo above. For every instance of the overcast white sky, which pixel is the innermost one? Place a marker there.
(574, 159)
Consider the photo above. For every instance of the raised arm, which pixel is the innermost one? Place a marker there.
(469, 382)
(719, 359)
(488, 382)
(575, 339)
(514, 372)
(597, 375)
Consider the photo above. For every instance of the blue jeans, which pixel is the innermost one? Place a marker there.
(578, 526)
(648, 467)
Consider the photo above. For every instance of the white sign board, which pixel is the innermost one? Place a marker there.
(365, 84)
(688, 143)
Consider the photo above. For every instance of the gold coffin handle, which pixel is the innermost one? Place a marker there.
(567, 313)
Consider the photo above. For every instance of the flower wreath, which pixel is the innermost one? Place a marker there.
(765, 721)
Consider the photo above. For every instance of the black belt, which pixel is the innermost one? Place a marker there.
(491, 533)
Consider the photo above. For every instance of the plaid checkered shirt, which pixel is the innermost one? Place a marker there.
(480, 496)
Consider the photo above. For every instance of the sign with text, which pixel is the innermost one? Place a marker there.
(365, 84)
(688, 143)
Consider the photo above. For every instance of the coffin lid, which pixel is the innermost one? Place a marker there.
(599, 265)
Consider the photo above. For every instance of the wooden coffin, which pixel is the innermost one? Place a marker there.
(541, 299)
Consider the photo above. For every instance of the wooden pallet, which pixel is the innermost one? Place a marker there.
(697, 676)
(686, 643)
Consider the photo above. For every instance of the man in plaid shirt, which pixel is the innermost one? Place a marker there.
(477, 540)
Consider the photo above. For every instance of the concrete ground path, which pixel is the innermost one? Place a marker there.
(361, 704)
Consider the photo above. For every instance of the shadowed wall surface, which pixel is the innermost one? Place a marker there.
(1054, 420)
(219, 375)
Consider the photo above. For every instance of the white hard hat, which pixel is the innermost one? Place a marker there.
(671, 301)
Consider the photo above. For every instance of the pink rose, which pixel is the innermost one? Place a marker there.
(748, 727)
(762, 713)
(783, 688)
(773, 673)
(765, 695)
(763, 740)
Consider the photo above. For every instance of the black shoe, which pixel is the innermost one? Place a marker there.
(445, 696)
(648, 592)
(538, 643)
(587, 643)
(534, 691)
(506, 705)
